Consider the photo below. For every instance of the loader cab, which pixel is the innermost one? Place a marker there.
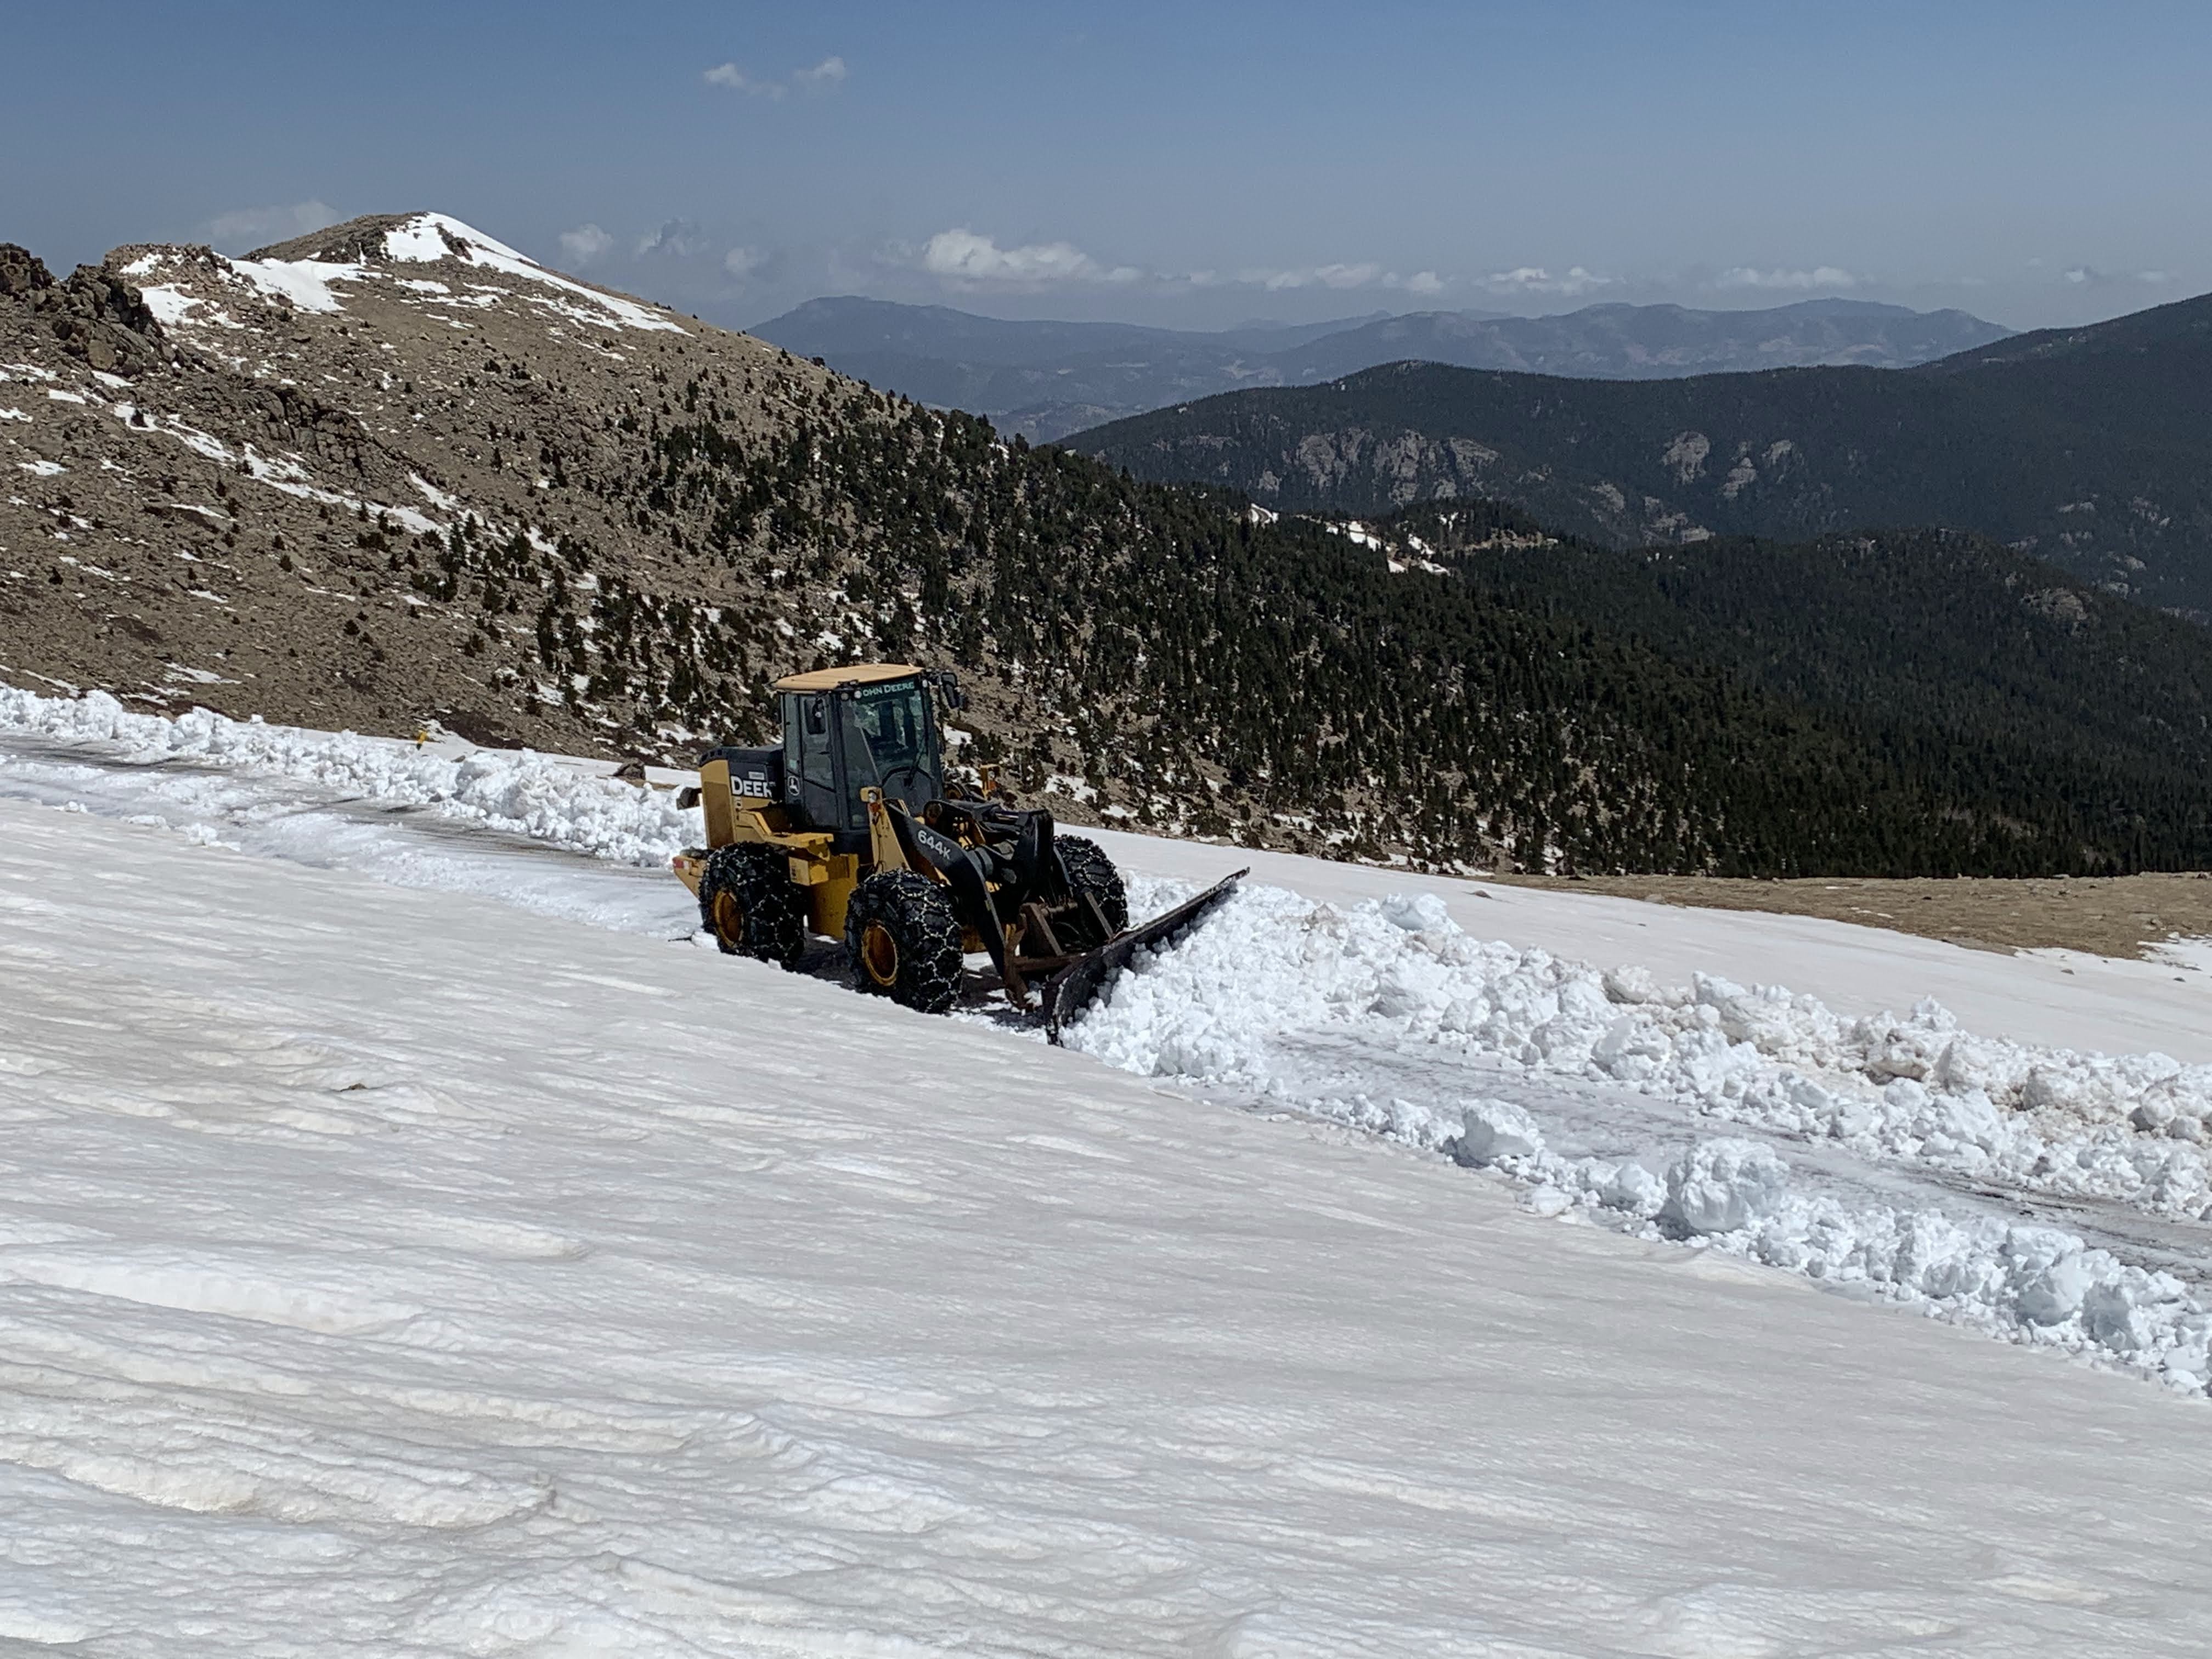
(869, 725)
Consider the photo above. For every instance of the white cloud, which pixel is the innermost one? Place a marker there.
(1538, 279)
(1348, 276)
(245, 228)
(1818, 276)
(2090, 277)
(962, 256)
(585, 243)
(829, 73)
(966, 257)
(741, 262)
(1365, 273)
(730, 75)
(678, 238)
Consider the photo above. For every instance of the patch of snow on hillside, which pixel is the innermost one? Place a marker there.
(437, 497)
(418, 240)
(305, 283)
(431, 236)
(2193, 954)
(170, 305)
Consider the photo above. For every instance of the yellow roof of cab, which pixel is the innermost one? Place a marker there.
(853, 673)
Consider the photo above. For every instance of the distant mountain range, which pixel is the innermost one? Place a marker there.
(2091, 447)
(1047, 379)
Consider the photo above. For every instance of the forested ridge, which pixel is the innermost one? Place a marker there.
(2090, 447)
(1171, 655)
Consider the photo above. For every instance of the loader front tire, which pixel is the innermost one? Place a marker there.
(903, 941)
(747, 901)
(1090, 871)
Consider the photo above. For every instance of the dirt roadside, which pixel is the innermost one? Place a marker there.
(2113, 916)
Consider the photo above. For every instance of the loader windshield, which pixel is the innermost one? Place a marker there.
(892, 720)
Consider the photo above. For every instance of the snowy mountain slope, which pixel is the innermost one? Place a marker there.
(2052, 1196)
(403, 1273)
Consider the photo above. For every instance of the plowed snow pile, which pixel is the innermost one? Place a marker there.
(512, 790)
(1915, 1091)
(392, 1271)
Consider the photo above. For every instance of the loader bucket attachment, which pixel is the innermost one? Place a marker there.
(1070, 991)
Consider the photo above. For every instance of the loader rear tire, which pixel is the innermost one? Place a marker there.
(1090, 871)
(748, 902)
(903, 941)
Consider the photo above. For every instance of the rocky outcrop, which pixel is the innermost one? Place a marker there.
(100, 320)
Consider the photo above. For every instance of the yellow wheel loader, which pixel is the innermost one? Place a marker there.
(851, 829)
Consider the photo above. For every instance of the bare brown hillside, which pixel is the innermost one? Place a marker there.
(223, 475)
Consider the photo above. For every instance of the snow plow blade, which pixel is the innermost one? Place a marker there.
(1069, 992)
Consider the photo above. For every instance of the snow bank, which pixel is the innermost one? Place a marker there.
(1913, 1090)
(516, 791)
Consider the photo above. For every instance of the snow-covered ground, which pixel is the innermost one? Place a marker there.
(400, 1271)
(2048, 1196)
(447, 1146)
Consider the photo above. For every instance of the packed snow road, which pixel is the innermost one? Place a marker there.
(399, 1271)
(2045, 1196)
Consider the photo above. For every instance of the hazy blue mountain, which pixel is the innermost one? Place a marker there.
(847, 323)
(1047, 379)
(2090, 447)
(1648, 343)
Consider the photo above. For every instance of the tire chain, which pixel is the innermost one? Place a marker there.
(921, 919)
(1091, 871)
(775, 915)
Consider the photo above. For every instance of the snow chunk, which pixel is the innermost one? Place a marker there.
(1724, 1186)
(1496, 1129)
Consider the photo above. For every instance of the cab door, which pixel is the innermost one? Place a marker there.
(810, 759)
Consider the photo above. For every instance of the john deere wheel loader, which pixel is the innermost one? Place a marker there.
(850, 829)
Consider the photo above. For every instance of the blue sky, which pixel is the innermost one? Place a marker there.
(1192, 164)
